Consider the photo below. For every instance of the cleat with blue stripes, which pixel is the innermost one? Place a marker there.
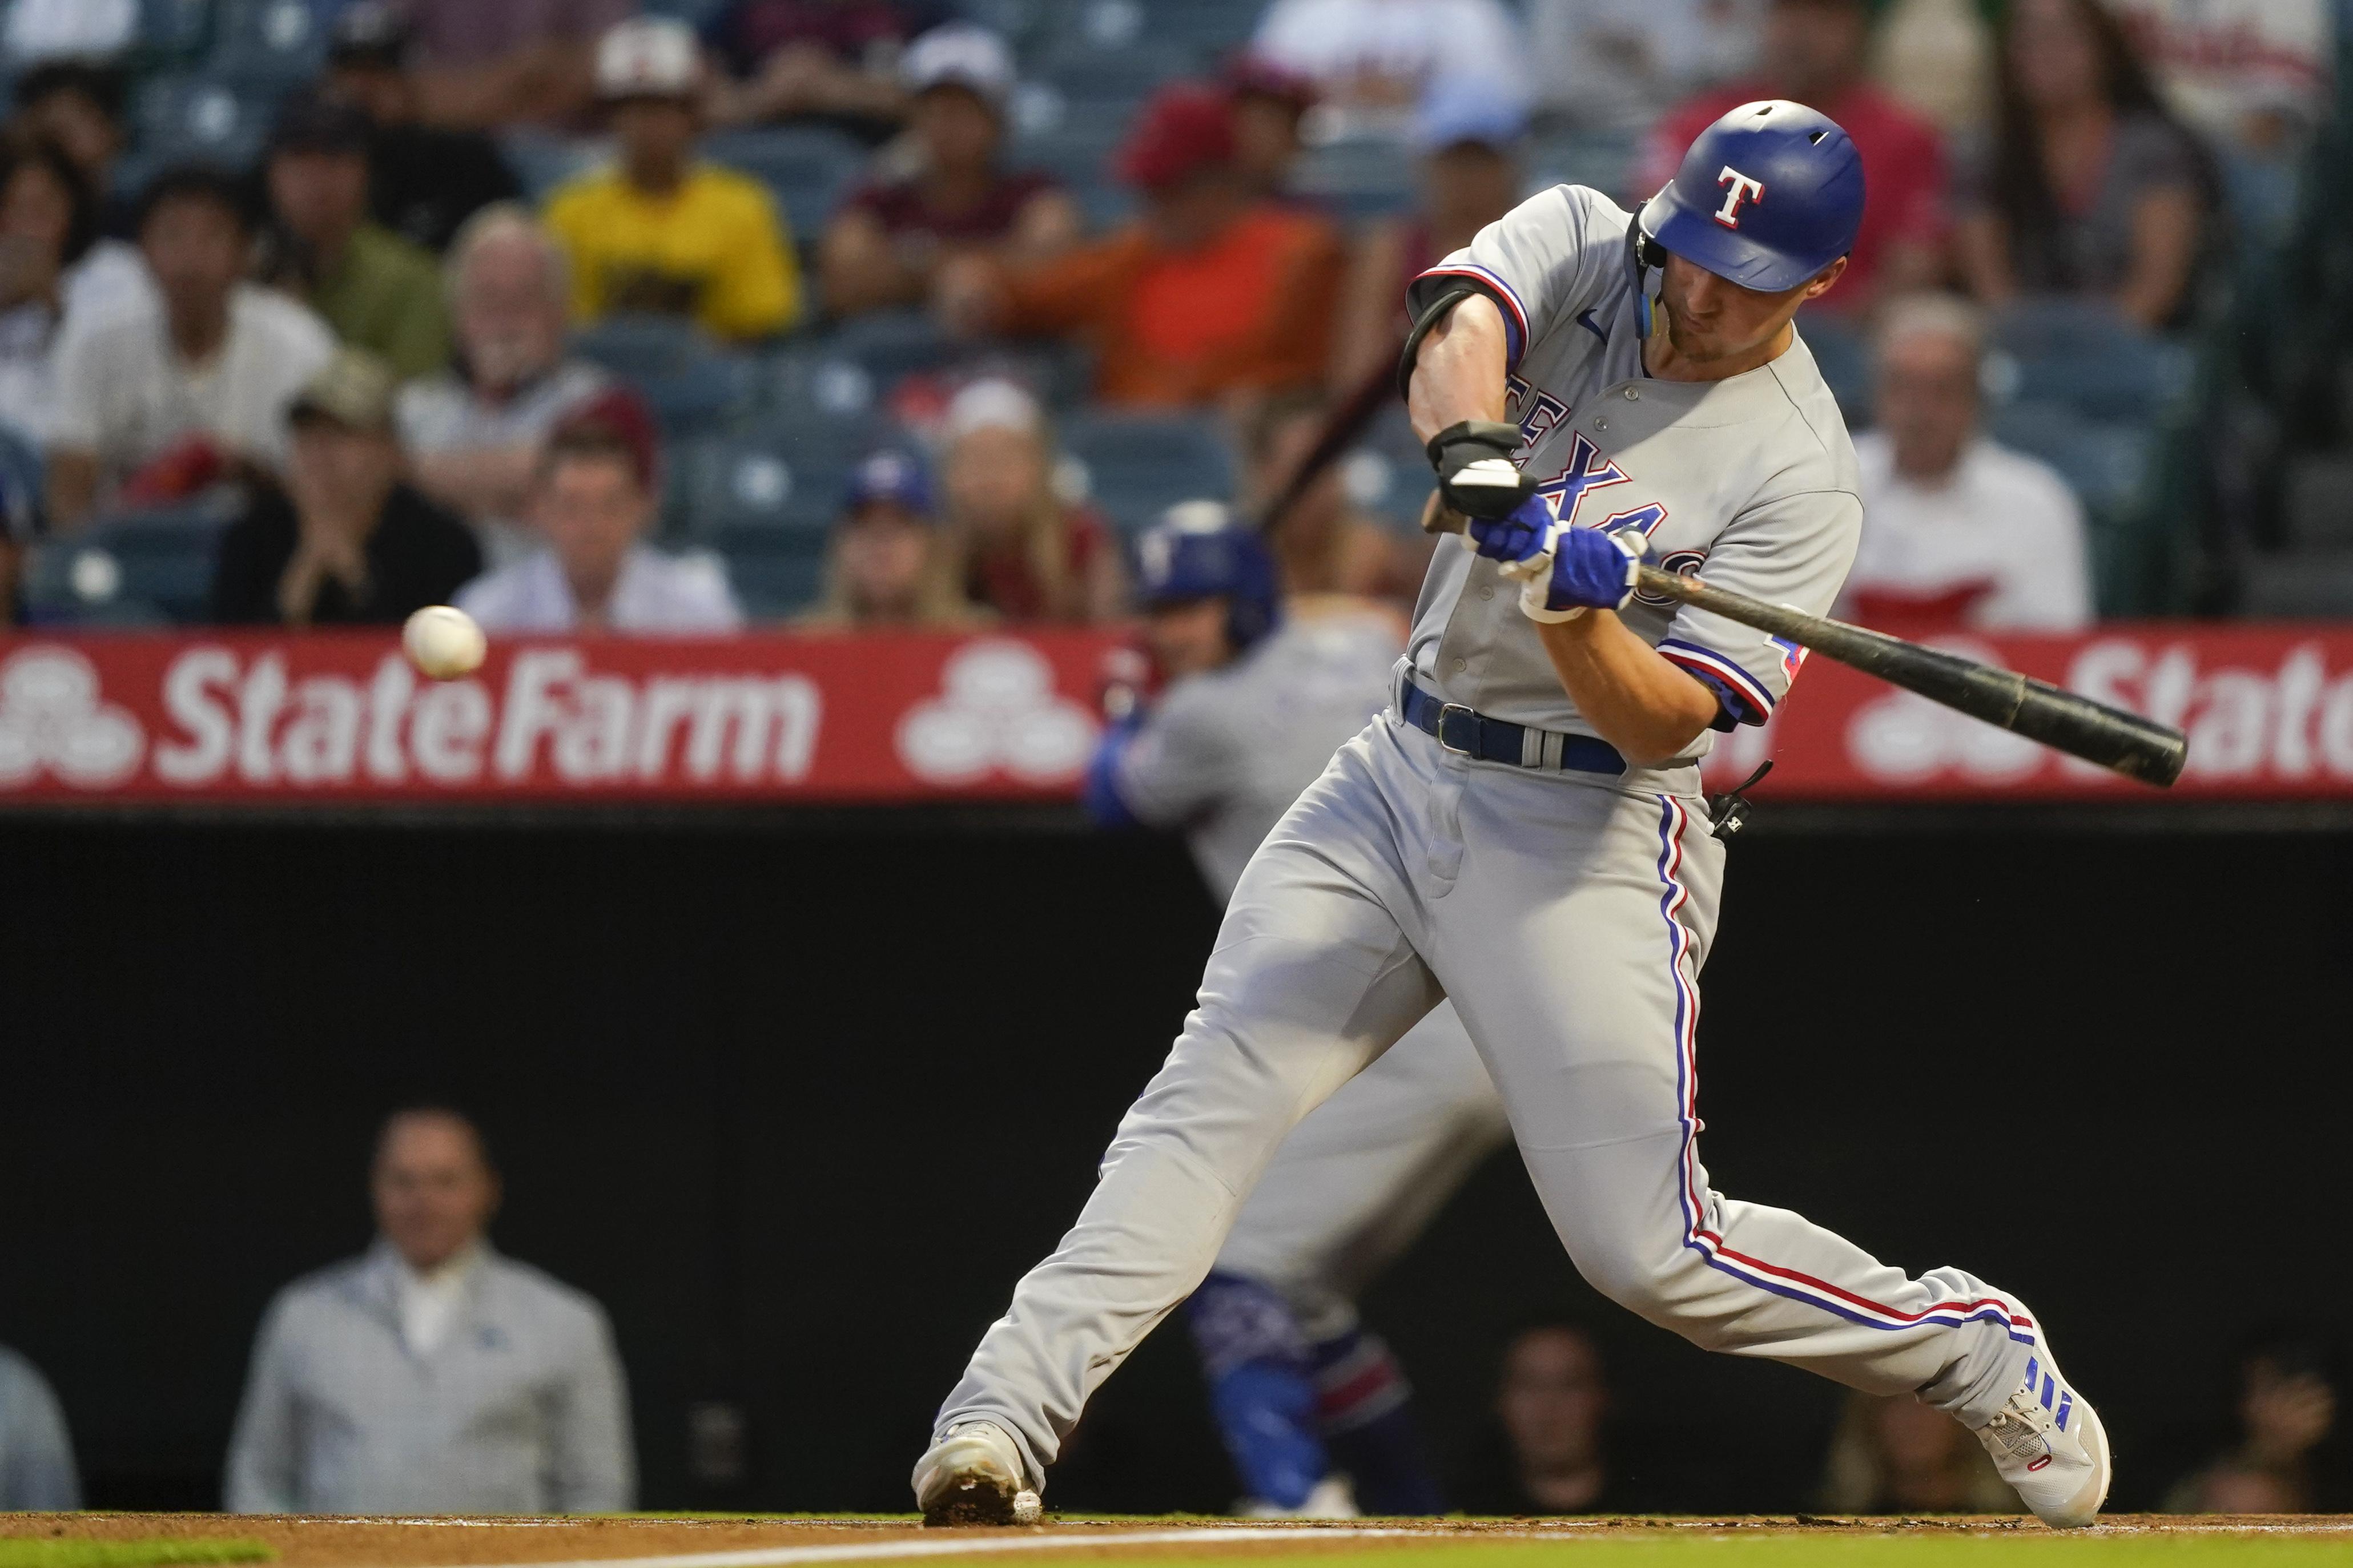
(2050, 1446)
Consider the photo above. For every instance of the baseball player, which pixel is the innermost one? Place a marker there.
(1517, 832)
(1313, 1407)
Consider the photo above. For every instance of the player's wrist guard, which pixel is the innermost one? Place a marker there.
(1475, 475)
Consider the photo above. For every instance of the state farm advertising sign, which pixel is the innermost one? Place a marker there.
(329, 717)
(341, 718)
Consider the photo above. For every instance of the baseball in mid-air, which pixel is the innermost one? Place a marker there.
(444, 643)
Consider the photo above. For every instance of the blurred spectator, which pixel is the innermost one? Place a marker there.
(835, 60)
(474, 433)
(1325, 545)
(346, 543)
(1017, 548)
(1469, 176)
(37, 1461)
(1269, 103)
(2254, 74)
(169, 393)
(2092, 188)
(884, 246)
(886, 567)
(1959, 532)
(1898, 1456)
(68, 29)
(1813, 54)
(2283, 1459)
(423, 181)
(660, 232)
(598, 494)
(1372, 59)
(1617, 65)
(1936, 57)
(77, 105)
(1209, 294)
(52, 265)
(432, 1376)
(378, 291)
(1552, 1403)
(514, 62)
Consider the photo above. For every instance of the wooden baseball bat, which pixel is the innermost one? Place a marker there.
(2067, 721)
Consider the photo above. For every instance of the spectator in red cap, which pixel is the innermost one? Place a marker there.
(1212, 294)
(1270, 100)
(598, 494)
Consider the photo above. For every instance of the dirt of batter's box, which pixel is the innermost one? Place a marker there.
(315, 1542)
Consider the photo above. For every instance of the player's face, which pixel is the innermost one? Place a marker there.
(1711, 319)
(433, 1190)
(1188, 637)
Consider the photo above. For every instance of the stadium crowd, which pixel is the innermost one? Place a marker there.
(431, 1373)
(860, 312)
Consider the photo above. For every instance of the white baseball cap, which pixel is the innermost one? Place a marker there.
(959, 54)
(991, 402)
(648, 57)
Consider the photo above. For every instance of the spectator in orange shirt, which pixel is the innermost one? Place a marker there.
(1814, 55)
(1209, 295)
(1015, 545)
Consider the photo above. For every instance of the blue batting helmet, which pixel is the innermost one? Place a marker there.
(1767, 198)
(1198, 550)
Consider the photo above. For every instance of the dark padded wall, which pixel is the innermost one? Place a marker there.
(798, 1102)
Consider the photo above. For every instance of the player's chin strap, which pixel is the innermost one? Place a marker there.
(1642, 254)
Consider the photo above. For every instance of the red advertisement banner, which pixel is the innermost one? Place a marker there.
(337, 718)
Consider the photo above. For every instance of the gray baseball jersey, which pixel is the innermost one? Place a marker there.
(1566, 915)
(1751, 477)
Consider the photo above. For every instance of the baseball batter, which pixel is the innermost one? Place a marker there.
(1313, 1408)
(1521, 831)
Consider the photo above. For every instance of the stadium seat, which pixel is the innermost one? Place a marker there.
(542, 161)
(268, 44)
(1843, 356)
(1136, 465)
(2084, 356)
(2108, 463)
(808, 169)
(1115, 80)
(777, 574)
(1387, 473)
(1200, 31)
(201, 118)
(893, 344)
(1599, 159)
(695, 14)
(22, 494)
(689, 381)
(146, 568)
(1360, 179)
(173, 29)
(735, 486)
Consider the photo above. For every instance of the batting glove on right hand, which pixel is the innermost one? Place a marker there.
(1522, 543)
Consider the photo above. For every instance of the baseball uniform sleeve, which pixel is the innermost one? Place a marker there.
(1794, 551)
(1179, 764)
(262, 1464)
(1543, 262)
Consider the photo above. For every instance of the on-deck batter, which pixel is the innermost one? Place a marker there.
(1516, 833)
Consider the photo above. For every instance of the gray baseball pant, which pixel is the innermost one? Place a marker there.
(1567, 917)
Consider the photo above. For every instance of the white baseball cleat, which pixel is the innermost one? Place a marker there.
(973, 1475)
(2050, 1446)
(1332, 1498)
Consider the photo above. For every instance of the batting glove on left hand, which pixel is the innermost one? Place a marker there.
(1589, 569)
(1521, 541)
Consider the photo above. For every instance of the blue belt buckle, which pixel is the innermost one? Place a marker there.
(1465, 722)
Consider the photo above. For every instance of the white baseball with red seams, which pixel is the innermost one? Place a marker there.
(444, 643)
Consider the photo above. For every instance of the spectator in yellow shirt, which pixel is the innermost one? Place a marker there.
(657, 231)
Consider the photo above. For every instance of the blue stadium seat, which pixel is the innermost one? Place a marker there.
(201, 119)
(2108, 463)
(777, 574)
(1387, 473)
(2082, 355)
(145, 568)
(1202, 31)
(695, 14)
(173, 29)
(1360, 179)
(691, 382)
(893, 344)
(542, 161)
(1138, 464)
(267, 43)
(808, 169)
(735, 486)
(1843, 355)
(1117, 80)
(1599, 159)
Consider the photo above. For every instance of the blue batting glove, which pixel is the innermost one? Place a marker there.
(1590, 571)
(1520, 537)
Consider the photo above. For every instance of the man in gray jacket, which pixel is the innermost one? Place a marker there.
(432, 1375)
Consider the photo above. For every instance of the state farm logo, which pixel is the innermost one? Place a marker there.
(1902, 739)
(998, 711)
(53, 719)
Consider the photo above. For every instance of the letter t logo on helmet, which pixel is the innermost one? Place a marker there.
(1742, 190)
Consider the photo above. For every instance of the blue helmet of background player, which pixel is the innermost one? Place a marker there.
(1200, 550)
(1767, 197)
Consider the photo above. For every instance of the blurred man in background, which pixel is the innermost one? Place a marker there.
(424, 181)
(2287, 1458)
(377, 290)
(76, 106)
(37, 1461)
(1325, 545)
(1814, 54)
(1270, 107)
(1552, 1406)
(1210, 295)
(598, 495)
(1898, 1456)
(515, 62)
(660, 232)
(476, 433)
(432, 1374)
(163, 396)
(1959, 531)
(346, 543)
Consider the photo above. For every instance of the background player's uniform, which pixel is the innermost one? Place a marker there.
(1565, 904)
(1296, 1383)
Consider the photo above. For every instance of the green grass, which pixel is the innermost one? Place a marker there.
(40, 1552)
(1862, 1548)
